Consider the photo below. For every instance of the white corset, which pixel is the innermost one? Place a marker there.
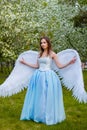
(44, 63)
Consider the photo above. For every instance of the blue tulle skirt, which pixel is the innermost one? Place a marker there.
(44, 99)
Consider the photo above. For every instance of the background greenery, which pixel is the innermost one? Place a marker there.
(23, 22)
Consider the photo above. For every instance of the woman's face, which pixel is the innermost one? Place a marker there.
(44, 44)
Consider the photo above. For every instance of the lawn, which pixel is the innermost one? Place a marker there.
(10, 110)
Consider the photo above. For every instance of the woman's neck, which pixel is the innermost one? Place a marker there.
(45, 51)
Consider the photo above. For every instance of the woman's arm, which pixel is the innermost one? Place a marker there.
(28, 64)
(62, 65)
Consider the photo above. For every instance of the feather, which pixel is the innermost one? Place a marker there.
(20, 75)
(72, 76)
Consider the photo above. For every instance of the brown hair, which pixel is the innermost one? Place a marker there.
(49, 45)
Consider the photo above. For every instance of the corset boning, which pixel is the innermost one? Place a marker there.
(44, 63)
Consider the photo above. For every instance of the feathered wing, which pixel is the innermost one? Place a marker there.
(72, 76)
(20, 75)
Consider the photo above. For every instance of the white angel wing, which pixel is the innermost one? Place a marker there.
(72, 76)
(20, 75)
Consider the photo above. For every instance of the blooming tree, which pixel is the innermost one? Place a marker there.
(24, 22)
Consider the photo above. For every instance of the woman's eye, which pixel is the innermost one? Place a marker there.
(43, 42)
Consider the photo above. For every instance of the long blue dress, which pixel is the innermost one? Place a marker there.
(44, 99)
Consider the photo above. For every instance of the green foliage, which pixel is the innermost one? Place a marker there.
(80, 20)
(24, 22)
(82, 2)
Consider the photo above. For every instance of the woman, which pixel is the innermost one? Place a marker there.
(44, 99)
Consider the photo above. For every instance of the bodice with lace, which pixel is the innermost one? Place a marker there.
(45, 63)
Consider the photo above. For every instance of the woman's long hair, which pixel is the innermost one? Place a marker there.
(49, 46)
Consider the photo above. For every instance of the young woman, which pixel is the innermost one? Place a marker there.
(44, 98)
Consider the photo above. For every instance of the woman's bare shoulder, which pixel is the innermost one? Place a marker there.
(52, 54)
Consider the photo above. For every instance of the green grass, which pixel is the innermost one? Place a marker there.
(10, 110)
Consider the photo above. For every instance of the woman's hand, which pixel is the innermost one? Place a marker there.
(22, 61)
(73, 60)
